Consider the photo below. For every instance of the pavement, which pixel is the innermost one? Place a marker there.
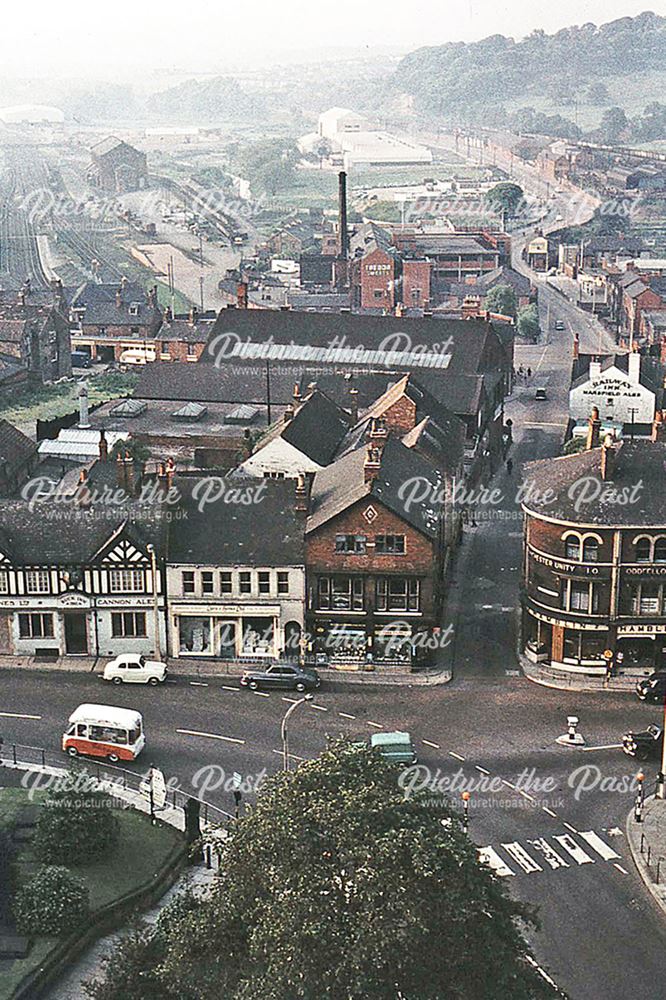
(647, 842)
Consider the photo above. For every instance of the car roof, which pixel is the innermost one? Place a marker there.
(390, 739)
(106, 715)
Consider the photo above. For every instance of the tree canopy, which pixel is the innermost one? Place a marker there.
(502, 299)
(505, 197)
(336, 886)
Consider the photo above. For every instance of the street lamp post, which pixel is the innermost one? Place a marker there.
(285, 732)
(661, 777)
(465, 796)
(640, 798)
(156, 611)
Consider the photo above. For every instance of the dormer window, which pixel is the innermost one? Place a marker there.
(134, 309)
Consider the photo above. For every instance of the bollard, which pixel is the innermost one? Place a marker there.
(648, 855)
(572, 738)
(642, 842)
(659, 861)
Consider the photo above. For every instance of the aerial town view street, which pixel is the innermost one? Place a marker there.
(332, 502)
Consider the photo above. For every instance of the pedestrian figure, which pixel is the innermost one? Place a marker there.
(509, 465)
(529, 373)
(619, 659)
(609, 670)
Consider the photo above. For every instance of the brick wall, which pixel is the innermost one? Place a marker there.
(416, 282)
(377, 270)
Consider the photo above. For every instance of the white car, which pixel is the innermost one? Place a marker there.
(133, 668)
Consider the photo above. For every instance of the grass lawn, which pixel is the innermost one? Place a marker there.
(140, 852)
(48, 401)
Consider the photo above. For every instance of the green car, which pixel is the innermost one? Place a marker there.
(395, 747)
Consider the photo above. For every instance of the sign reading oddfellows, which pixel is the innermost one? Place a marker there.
(594, 572)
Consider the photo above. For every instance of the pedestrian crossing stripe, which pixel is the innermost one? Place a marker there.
(566, 852)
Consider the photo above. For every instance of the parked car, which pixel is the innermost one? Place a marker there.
(540, 393)
(645, 744)
(137, 356)
(81, 359)
(559, 324)
(286, 676)
(395, 747)
(652, 688)
(133, 668)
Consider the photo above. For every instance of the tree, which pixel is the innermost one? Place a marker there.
(75, 825)
(341, 885)
(502, 299)
(528, 322)
(614, 125)
(54, 901)
(505, 197)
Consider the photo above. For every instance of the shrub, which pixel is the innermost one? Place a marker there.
(54, 901)
(75, 827)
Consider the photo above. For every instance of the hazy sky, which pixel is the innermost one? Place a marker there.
(71, 37)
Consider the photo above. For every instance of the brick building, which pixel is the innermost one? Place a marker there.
(116, 166)
(594, 566)
(374, 555)
(108, 319)
(34, 333)
(18, 458)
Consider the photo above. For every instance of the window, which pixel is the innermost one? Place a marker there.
(165, 347)
(378, 293)
(590, 550)
(188, 581)
(397, 593)
(264, 583)
(191, 351)
(390, 544)
(647, 599)
(126, 581)
(572, 547)
(340, 593)
(579, 599)
(207, 586)
(38, 626)
(659, 551)
(134, 329)
(245, 582)
(128, 624)
(350, 543)
(4, 581)
(283, 583)
(226, 585)
(37, 581)
(643, 550)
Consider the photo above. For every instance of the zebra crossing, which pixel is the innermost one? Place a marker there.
(548, 854)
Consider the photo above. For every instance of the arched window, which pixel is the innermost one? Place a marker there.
(590, 550)
(572, 547)
(643, 550)
(660, 550)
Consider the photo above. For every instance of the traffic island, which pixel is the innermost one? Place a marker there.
(647, 842)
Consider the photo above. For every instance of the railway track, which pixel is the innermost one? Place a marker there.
(19, 252)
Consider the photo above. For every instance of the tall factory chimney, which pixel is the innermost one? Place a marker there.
(343, 234)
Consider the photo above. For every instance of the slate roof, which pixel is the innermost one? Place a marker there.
(641, 463)
(317, 428)
(101, 309)
(225, 533)
(341, 484)
(651, 372)
(15, 447)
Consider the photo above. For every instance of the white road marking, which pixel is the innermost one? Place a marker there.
(345, 715)
(598, 845)
(18, 715)
(551, 857)
(292, 701)
(521, 857)
(487, 856)
(606, 746)
(570, 827)
(226, 687)
(319, 708)
(429, 744)
(572, 848)
(508, 784)
(543, 974)
(261, 694)
(526, 795)
(292, 756)
(481, 769)
(620, 868)
(375, 724)
(198, 684)
(549, 811)
(210, 736)
(456, 755)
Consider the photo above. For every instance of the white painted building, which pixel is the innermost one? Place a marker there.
(623, 388)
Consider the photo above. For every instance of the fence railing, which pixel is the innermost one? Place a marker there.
(655, 863)
(21, 755)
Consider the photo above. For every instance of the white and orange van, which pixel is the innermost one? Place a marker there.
(104, 731)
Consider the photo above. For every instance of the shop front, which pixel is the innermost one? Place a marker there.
(227, 633)
(643, 645)
(572, 646)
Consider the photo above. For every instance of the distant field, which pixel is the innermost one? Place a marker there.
(45, 402)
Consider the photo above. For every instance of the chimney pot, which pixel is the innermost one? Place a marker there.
(593, 429)
(288, 414)
(372, 464)
(301, 505)
(103, 446)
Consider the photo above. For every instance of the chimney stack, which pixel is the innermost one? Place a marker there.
(607, 458)
(576, 346)
(595, 369)
(297, 392)
(301, 505)
(130, 483)
(84, 417)
(119, 298)
(83, 496)
(377, 433)
(634, 369)
(343, 233)
(593, 429)
(193, 316)
(170, 470)
(121, 480)
(372, 464)
(103, 446)
(658, 427)
(288, 414)
(241, 295)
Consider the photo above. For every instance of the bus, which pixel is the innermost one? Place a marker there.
(104, 731)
